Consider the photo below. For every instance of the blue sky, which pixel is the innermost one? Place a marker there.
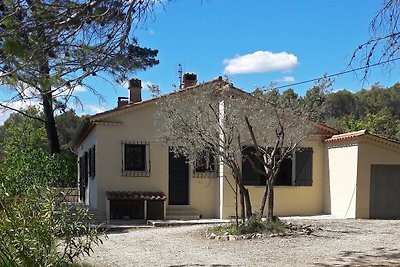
(255, 42)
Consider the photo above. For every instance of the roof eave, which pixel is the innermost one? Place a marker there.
(83, 130)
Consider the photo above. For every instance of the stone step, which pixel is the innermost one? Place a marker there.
(181, 213)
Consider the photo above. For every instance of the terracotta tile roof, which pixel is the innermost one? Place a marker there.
(89, 123)
(130, 105)
(364, 134)
(138, 195)
(346, 136)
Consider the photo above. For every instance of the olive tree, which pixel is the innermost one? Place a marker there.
(223, 120)
(205, 120)
(276, 130)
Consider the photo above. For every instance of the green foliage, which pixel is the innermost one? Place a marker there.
(224, 228)
(49, 48)
(23, 142)
(253, 225)
(72, 36)
(36, 230)
(376, 110)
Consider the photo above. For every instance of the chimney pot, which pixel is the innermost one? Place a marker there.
(122, 101)
(135, 91)
(189, 79)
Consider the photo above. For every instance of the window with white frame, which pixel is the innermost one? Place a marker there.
(135, 158)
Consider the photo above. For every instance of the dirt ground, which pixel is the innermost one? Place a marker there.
(338, 243)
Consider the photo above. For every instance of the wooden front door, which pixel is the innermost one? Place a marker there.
(178, 192)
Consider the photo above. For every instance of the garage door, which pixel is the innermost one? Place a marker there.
(385, 192)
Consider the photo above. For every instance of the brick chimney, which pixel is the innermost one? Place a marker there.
(135, 91)
(189, 79)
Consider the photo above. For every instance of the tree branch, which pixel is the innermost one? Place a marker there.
(22, 113)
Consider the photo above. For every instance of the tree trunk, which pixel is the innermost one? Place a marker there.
(47, 99)
(249, 212)
(50, 123)
(270, 202)
(246, 203)
(242, 207)
(264, 200)
(237, 204)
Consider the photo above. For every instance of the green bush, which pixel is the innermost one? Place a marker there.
(224, 228)
(254, 225)
(37, 230)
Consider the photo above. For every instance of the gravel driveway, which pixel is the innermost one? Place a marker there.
(339, 243)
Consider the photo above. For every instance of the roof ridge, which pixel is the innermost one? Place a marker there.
(217, 79)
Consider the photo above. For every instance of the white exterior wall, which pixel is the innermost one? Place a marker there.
(91, 190)
(342, 174)
(288, 200)
(138, 126)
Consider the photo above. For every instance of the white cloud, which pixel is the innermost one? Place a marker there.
(4, 116)
(147, 84)
(287, 79)
(260, 62)
(80, 89)
(93, 109)
(21, 104)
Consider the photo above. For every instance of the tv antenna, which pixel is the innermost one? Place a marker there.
(180, 75)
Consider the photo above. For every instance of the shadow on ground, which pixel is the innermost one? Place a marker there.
(376, 257)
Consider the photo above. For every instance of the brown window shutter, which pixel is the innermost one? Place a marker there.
(93, 161)
(304, 167)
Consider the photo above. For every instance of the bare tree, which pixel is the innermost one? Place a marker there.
(383, 47)
(202, 120)
(276, 129)
(48, 48)
(221, 119)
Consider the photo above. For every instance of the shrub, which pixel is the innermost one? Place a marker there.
(254, 225)
(224, 228)
(39, 231)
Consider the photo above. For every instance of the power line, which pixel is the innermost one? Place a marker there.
(339, 73)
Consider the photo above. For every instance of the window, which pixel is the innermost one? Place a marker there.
(249, 174)
(295, 170)
(304, 159)
(285, 174)
(206, 162)
(85, 167)
(92, 161)
(205, 165)
(135, 159)
(83, 175)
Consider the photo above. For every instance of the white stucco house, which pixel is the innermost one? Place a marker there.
(125, 174)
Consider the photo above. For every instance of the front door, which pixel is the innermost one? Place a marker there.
(178, 192)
